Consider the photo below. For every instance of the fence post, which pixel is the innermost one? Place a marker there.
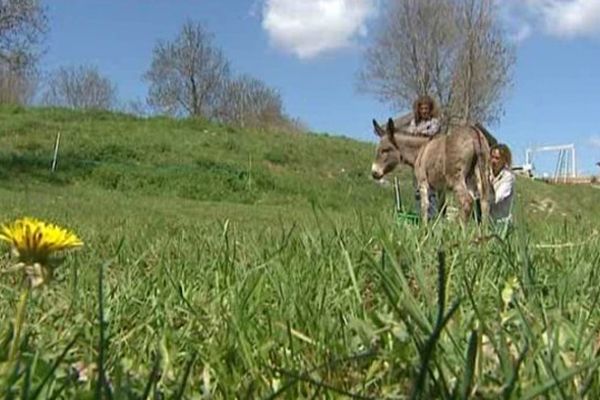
(55, 158)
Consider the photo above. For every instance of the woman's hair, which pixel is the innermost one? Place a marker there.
(504, 153)
(425, 99)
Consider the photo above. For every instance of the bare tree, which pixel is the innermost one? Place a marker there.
(451, 49)
(187, 75)
(17, 86)
(247, 101)
(296, 125)
(137, 107)
(250, 103)
(483, 68)
(81, 87)
(23, 25)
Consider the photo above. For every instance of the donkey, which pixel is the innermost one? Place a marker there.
(444, 162)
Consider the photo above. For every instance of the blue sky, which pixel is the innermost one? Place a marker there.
(311, 51)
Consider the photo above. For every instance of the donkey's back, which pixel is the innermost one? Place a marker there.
(457, 161)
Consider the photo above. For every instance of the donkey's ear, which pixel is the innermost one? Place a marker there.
(378, 129)
(390, 127)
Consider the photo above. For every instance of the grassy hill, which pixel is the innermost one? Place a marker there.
(172, 160)
(187, 159)
(263, 265)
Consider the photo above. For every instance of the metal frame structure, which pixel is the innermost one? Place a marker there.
(562, 170)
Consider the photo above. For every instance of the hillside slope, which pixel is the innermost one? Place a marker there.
(186, 161)
(189, 159)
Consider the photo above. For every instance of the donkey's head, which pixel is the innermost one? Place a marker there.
(388, 155)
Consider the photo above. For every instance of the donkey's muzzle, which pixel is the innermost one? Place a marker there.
(376, 175)
(376, 172)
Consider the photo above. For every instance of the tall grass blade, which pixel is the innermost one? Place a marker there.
(544, 388)
(418, 388)
(186, 374)
(153, 378)
(54, 367)
(102, 386)
(467, 381)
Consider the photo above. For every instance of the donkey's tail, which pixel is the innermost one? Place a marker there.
(482, 172)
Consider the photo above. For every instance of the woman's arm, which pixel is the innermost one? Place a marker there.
(412, 127)
(431, 127)
(504, 187)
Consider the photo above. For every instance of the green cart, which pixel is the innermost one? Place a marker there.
(402, 215)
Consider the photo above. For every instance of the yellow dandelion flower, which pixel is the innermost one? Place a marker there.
(34, 240)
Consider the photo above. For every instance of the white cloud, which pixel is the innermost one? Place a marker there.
(521, 32)
(307, 28)
(595, 141)
(511, 12)
(561, 18)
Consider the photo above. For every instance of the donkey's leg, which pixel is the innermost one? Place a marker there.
(464, 199)
(417, 190)
(441, 203)
(432, 210)
(482, 188)
(424, 192)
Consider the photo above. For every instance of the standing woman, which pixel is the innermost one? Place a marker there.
(425, 122)
(503, 181)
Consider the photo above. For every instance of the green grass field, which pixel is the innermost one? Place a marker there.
(260, 265)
